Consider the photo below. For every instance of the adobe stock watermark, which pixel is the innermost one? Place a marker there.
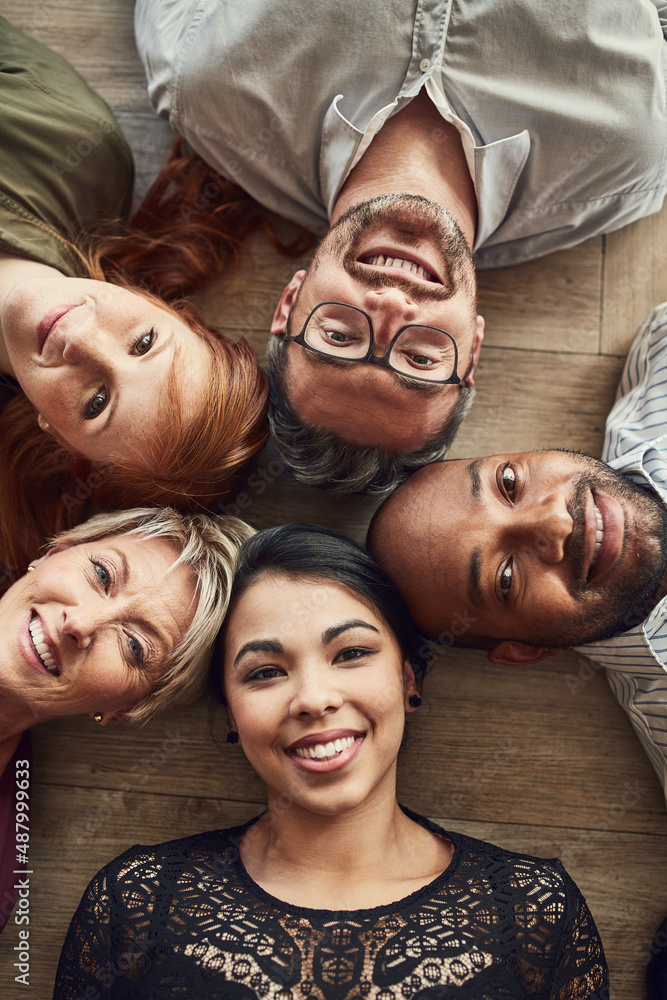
(607, 820)
(256, 484)
(140, 773)
(82, 489)
(655, 260)
(76, 152)
(493, 764)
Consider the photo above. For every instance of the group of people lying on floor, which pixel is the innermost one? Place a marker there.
(432, 161)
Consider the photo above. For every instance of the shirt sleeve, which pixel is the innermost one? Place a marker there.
(86, 956)
(581, 970)
(110, 935)
(640, 412)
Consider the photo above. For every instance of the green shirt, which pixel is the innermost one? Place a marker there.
(65, 166)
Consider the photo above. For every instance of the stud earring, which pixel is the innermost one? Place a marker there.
(31, 569)
(414, 701)
(98, 717)
(232, 737)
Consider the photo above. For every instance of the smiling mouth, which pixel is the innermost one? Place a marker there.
(49, 323)
(325, 751)
(404, 263)
(599, 534)
(40, 646)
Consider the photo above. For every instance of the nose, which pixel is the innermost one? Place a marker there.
(315, 694)
(79, 625)
(390, 309)
(82, 340)
(544, 527)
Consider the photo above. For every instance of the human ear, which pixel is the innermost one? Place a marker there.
(285, 305)
(52, 552)
(476, 348)
(516, 654)
(409, 685)
(45, 426)
(104, 718)
(231, 720)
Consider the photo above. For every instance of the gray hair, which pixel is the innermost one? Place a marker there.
(319, 457)
(209, 547)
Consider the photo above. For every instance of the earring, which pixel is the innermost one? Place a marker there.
(31, 569)
(232, 737)
(98, 717)
(414, 701)
(44, 424)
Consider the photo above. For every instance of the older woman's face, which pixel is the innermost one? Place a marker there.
(95, 360)
(90, 629)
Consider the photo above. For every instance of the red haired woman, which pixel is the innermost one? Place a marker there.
(115, 392)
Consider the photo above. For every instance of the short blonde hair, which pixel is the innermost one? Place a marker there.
(209, 547)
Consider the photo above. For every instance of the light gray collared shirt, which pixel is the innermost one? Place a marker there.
(561, 106)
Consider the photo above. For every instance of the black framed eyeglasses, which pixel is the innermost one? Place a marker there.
(342, 331)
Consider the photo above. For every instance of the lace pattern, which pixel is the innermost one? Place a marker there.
(185, 920)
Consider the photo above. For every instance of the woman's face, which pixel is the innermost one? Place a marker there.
(317, 690)
(94, 359)
(89, 630)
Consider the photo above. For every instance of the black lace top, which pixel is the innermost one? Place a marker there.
(185, 920)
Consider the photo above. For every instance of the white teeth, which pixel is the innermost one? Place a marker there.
(599, 532)
(41, 646)
(408, 265)
(322, 751)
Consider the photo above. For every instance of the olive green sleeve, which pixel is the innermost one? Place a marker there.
(65, 166)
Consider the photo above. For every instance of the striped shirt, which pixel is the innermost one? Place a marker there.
(636, 445)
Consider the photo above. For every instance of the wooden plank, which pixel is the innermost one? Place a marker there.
(244, 304)
(635, 279)
(543, 745)
(548, 304)
(535, 399)
(97, 37)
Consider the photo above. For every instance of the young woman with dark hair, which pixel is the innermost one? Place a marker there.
(335, 892)
(114, 391)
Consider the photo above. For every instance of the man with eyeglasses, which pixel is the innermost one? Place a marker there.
(409, 134)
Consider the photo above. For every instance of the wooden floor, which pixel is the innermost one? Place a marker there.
(539, 759)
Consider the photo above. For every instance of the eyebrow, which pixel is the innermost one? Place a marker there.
(475, 592)
(259, 646)
(475, 479)
(412, 384)
(328, 359)
(124, 565)
(332, 633)
(273, 646)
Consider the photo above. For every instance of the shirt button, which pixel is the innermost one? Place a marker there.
(425, 65)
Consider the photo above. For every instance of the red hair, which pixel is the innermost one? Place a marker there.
(189, 229)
